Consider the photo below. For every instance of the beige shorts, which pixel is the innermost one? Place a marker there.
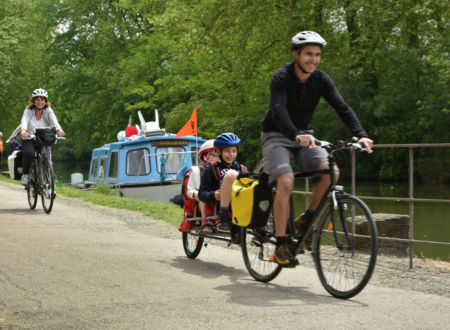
(277, 150)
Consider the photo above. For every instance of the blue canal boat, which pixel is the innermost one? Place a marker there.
(149, 165)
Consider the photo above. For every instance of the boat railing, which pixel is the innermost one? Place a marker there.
(411, 200)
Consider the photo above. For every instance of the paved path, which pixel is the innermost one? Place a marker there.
(89, 267)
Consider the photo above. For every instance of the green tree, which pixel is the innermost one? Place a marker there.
(21, 46)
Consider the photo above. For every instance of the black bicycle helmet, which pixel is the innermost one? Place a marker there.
(227, 140)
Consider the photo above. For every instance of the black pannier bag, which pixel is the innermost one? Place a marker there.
(46, 136)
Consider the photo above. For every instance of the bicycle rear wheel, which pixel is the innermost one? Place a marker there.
(47, 186)
(345, 262)
(258, 246)
(192, 244)
(32, 188)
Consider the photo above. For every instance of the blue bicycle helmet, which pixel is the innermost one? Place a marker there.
(227, 140)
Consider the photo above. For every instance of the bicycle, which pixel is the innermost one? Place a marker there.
(344, 237)
(41, 177)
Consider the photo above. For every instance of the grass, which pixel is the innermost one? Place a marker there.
(105, 196)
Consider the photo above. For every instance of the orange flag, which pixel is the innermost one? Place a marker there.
(190, 128)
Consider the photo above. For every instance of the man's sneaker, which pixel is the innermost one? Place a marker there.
(302, 223)
(283, 256)
(207, 226)
(24, 180)
(224, 225)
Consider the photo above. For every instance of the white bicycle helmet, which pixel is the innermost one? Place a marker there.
(307, 37)
(206, 147)
(39, 92)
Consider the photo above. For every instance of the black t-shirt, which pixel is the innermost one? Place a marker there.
(292, 103)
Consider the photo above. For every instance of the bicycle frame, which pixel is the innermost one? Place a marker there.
(329, 197)
(43, 183)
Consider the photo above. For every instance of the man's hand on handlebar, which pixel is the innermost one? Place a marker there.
(305, 140)
(367, 144)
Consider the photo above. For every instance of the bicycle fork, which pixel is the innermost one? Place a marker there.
(340, 207)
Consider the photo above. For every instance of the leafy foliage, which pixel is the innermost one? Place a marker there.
(103, 60)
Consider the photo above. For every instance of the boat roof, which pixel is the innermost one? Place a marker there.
(149, 139)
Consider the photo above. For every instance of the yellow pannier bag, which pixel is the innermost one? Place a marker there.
(251, 201)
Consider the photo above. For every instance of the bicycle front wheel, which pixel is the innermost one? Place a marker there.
(32, 188)
(258, 246)
(345, 248)
(48, 187)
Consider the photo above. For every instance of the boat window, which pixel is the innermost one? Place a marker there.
(194, 154)
(175, 158)
(102, 169)
(138, 158)
(114, 165)
(94, 168)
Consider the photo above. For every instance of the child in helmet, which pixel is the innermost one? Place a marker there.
(206, 154)
(218, 177)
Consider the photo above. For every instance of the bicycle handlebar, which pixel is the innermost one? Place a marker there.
(340, 144)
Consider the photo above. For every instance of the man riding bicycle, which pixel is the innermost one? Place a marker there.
(295, 90)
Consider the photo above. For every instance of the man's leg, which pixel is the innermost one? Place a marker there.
(322, 186)
(281, 205)
(302, 224)
(283, 252)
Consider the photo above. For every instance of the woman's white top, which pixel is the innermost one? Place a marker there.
(194, 181)
(29, 121)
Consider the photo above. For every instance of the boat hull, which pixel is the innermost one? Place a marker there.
(154, 191)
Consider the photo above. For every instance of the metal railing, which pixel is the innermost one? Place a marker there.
(410, 199)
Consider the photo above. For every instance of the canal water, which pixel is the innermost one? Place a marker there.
(431, 220)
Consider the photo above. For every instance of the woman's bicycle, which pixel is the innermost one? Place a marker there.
(344, 237)
(41, 178)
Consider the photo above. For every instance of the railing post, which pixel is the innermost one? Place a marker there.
(353, 172)
(411, 206)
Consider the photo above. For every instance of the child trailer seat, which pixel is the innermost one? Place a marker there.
(191, 210)
(190, 217)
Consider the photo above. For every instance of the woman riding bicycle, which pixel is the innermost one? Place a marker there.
(38, 113)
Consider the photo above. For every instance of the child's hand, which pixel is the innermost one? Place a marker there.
(217, 195)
